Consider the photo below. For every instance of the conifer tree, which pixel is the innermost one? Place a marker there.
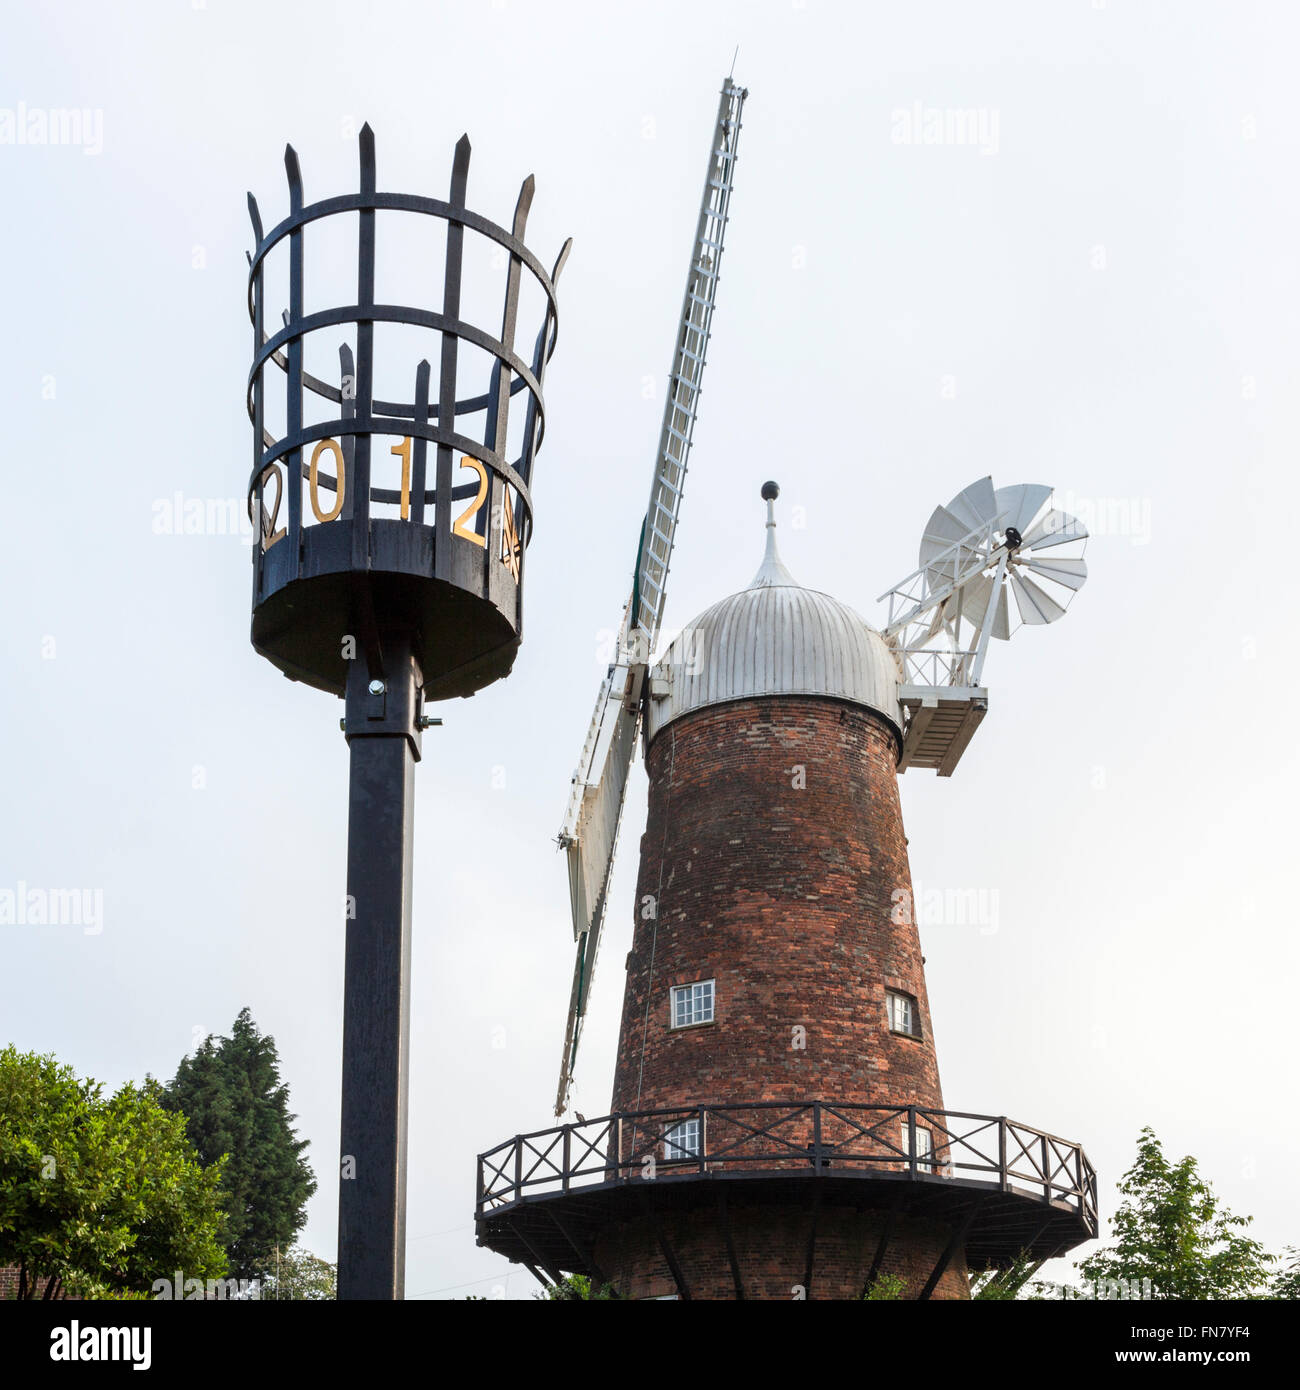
(235, 1104)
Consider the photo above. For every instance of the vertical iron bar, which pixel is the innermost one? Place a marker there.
(293, 379)
(419, 444)
(447, 367)
(1002, 1155)
(259, 398)
(384, 747)
(365, 354)
(1047, 1181)
(498, 411)
(911, 1137)
(347, 412)
(564, 1176)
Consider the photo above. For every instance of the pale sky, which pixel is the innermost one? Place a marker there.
(1100, 293)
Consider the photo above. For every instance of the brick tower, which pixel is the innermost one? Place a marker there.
(777, 1128)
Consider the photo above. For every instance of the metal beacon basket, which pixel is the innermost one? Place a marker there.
(342, 562)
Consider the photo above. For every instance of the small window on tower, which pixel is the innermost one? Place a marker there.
(691, 1004)
(924, 1144)
(904, 1016)
(683, 1141)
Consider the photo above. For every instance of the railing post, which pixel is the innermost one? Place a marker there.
(911, 1138)
(1047, 1181)
(704, 1140)
(564, 1175)
(1002, 1154)
(519, 1169)
(817, 1137)
(618, 1167)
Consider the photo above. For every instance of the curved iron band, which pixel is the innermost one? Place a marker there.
(398, 202)
(397, 313)
(435, 434)
(323, 389)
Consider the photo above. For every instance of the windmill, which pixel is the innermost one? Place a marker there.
(777, 1125)
(591, 823)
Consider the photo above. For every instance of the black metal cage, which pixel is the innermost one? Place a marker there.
(449, 577)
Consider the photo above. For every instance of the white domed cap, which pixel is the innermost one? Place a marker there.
(775, 638)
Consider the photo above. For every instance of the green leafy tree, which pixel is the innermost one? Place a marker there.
(885, 1288)
(1286, 1282)
(235, 1103)
(101, 1196)
(576, 1288)
(1006, 1285)
(1173, 1231)
(299, 1275)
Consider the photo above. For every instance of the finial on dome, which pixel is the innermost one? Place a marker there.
(772, 573)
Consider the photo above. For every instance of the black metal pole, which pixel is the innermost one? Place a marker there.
(382, 724)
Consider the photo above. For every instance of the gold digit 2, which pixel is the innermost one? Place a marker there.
(269, 534)
(458, 526)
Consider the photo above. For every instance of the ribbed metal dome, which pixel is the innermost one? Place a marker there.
(775, 638)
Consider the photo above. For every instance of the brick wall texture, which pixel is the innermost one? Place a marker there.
(774, 862)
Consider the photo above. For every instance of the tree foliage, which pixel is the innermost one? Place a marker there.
(236, 1105)
(299, 1275)
(99, 1195)
(576, 1288)
(1172, 1231)
(1286, 1282)
(885, 1288)
(1006, 1285)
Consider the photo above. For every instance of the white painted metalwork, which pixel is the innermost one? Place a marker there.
(589, 835)
(984, 544)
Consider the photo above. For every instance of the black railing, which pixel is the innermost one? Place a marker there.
(816, 1136)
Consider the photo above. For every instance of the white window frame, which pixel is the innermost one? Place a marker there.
(698, 996)
(924, 1144)
(684, 1141)
(895, 997)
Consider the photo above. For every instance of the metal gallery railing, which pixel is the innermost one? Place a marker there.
(816, 1137)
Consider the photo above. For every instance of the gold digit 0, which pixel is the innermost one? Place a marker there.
(458, 527)
(313, 480)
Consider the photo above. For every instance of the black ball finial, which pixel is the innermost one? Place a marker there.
(770, 492)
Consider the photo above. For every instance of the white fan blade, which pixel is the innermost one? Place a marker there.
(975, 506)
(1054, 528)
(591, 861)
(1021, 504)
(1035, 606)
(975, 602)
(1072, 573)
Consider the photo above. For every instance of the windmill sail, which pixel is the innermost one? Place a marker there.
(590, 833)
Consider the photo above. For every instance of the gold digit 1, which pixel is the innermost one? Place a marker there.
(458, 526)
(403, 452)
(313, 480)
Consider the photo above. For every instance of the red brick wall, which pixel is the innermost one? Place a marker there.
(9, 1279)
(771, 1244)
(788, 896)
